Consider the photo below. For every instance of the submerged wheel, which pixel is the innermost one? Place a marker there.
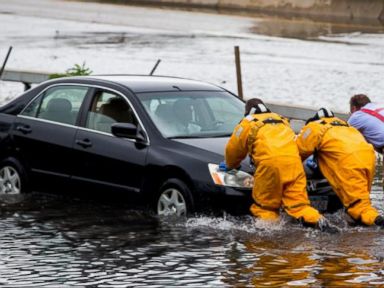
(174, 198)
(12, 177)
(10, 182)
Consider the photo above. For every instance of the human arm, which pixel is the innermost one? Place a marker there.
(309, 139)
(237, 148)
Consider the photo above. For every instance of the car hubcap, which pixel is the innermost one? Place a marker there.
(171, 202)
(9, 181)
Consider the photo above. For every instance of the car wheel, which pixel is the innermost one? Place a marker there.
(174, 198)
(12, 177)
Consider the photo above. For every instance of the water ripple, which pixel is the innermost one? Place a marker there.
(68, 245)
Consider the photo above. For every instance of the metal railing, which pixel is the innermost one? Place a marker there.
(26, 77)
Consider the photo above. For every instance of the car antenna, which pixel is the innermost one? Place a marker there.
(155, 67)
(5, 61)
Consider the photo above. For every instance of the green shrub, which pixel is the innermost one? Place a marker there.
(76, 70)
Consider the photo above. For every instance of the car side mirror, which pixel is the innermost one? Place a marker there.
(127, 130)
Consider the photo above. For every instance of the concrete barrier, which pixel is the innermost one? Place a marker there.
(298, 114)
(325, 9)
(29, 77)
(25, 77)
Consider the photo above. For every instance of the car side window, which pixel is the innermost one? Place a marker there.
(59, 104)
(108, 108)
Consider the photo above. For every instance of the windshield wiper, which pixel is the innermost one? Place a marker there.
(221, 135)
(186, 137)
(200, 136)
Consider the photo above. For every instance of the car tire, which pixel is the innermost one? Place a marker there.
(174, 199)
(13, 177)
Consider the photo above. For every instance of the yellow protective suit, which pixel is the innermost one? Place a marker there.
(346, 160)
(279, 176)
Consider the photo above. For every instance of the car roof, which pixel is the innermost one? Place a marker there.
(145, 83)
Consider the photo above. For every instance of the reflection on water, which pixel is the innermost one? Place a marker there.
(309, 29)
(285, 24)
(57, 241)
(300, 27)
(306, 28)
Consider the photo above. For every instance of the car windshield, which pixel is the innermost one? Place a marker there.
(197, 114)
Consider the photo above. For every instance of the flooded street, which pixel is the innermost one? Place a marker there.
(53, 241)
(315, 64)
(50, 241)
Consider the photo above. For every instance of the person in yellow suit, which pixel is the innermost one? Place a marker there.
(279, 179)
(345, 159)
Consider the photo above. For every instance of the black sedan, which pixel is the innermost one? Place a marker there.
(157, 140)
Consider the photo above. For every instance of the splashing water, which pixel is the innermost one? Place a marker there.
(229, 223)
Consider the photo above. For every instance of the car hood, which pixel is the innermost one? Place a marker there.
(215, 145)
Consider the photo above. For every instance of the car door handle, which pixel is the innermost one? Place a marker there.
(84, 143)
(25, 129)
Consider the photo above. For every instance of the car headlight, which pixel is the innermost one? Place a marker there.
(232, 178)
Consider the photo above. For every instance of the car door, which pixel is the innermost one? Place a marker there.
(44, 133)
(105, 161)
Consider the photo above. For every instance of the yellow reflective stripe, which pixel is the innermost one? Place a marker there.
(249, 118)
(238, 131)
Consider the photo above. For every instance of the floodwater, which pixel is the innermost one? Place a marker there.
(57, 241)
(313, 64)
(50, 241)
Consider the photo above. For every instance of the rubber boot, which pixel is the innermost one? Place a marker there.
(379, 221)
(324, 226)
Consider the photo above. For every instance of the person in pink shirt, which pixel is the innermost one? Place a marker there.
(368, 118)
